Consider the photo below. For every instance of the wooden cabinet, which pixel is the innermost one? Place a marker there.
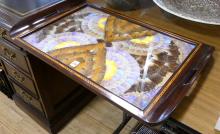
(14, 55)
(44, 93)
(27, 98)
(20, 78)
(4, 84)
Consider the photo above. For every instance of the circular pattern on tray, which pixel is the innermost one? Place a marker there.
(158, 71)
(94, 24)
(140, 46)
(63, 40)
(122, 71)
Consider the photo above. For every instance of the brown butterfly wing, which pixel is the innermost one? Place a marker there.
(117, 29)
(91, 59)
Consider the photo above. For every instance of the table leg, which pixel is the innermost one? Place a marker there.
(125, 119)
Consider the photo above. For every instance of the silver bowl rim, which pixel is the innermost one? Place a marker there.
(183, 16)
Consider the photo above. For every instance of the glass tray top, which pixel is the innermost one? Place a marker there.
(128, 60)
(23, 7)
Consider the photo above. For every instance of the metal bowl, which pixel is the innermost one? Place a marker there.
(203, 11)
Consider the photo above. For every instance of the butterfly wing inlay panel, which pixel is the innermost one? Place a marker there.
(128, 60)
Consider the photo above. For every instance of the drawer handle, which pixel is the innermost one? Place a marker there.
(2, 33)
(11, 55)
(18, 77)
(192, 77)
(25, 96)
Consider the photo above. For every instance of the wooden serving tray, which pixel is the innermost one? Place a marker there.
(143, 70)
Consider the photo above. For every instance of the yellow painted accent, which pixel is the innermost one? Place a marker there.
(111, 69)
(67, 43)
(143, 41)
(101, 23)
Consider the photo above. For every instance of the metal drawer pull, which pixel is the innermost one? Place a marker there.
(11, 55)
(18, 77)
(2, 33)
(25, 96)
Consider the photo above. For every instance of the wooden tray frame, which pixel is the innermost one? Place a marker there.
(167, 99)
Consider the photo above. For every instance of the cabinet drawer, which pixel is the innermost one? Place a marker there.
(20, 78)
(14, 55)
(26, 97)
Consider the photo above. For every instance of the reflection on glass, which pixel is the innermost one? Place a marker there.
(130, 61)
(22, 7)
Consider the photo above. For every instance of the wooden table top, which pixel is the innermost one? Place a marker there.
(202, 108)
